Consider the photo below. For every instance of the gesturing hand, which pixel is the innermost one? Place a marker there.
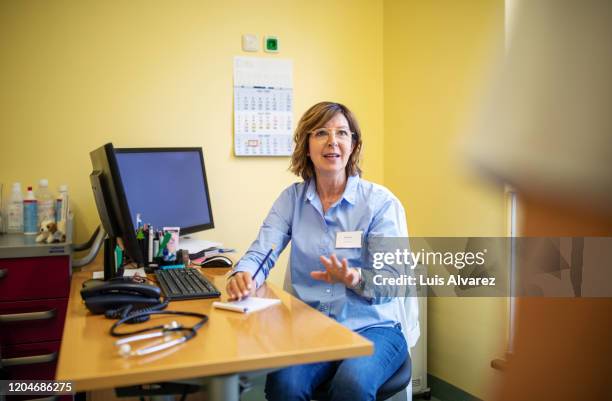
(336, 272)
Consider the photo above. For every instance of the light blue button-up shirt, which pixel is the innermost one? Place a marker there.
(297, 215)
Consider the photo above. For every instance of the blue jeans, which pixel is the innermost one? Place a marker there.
(351, 379)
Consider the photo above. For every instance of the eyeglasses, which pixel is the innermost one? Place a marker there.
(323, 134)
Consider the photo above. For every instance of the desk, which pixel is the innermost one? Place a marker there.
(230, 343)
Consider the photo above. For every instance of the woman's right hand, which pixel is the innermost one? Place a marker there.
(239, 286)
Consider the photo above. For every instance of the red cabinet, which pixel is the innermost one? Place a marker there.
(34, 278)
(31, 360)
(34, 287)
(32, 321)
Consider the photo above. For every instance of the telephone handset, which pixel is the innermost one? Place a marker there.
(100, 296)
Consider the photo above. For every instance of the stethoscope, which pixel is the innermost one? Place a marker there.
(165, 332)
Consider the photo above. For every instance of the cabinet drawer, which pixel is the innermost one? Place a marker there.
(32, 321)
(34, 278)
(31, 361)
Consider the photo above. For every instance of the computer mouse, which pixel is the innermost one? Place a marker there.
(217, 261)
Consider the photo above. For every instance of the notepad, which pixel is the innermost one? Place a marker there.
(247, 305)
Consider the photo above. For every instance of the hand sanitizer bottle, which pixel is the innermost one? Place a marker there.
(61, 207)
(30, 213)
(46, 202)
(15, 210)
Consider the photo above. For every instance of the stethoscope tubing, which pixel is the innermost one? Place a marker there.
(155, 332)
(113, 330)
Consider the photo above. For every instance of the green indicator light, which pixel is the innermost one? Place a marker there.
(271, 44)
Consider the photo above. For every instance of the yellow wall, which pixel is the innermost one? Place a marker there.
(78, 74)
(436, 54)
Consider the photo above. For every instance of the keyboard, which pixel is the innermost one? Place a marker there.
(186, 283)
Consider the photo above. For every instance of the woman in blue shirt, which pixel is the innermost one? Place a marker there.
(328, 217)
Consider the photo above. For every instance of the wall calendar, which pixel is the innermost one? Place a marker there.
(263, 106)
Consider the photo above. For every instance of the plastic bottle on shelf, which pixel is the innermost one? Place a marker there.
(30, 213)
(15, 210)
(62, 207)
(46, 202)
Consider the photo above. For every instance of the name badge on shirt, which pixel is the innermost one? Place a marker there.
(348, 239)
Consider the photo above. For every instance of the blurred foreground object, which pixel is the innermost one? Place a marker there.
(546, 128)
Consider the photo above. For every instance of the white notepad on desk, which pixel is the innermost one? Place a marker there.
(247, 305)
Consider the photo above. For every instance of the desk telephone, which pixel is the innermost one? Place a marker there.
(100, 296)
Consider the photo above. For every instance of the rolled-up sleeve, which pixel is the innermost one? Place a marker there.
(274, 232)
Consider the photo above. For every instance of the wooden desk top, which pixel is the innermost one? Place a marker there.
(285, 334)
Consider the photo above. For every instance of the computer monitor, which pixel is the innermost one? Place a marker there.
(167, 187)
(112, 208)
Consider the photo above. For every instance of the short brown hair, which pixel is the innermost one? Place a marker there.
(316, 117)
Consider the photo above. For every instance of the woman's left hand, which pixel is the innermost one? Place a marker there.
(336, 272)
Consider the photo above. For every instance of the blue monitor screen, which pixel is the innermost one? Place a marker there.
(167, 187)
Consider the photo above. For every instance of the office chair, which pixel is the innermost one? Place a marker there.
(396, 383)
(400, 380)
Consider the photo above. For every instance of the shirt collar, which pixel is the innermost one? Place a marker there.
(311, 190)
(350, 191)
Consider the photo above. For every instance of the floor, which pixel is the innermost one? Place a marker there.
(255, 393)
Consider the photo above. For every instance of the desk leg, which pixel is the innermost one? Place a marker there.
(224, 388)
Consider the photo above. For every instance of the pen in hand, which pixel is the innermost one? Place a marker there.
(261, 265)
(241, 284)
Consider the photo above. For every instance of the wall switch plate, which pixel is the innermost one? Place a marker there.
(250, 43)
(271, 44)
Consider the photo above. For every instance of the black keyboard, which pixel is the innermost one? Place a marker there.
(185, 283)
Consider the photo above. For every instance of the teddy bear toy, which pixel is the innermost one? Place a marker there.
(49, 233)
